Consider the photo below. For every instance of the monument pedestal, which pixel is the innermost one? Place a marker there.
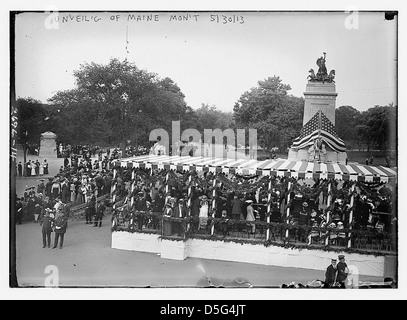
(320, 97)
(48, 145)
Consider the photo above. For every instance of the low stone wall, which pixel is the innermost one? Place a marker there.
(179, 249)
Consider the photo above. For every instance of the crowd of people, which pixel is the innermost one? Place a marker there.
(307, 214)
(32, 168)
(176, 194)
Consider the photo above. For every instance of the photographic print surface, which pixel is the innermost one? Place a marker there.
(192, 149)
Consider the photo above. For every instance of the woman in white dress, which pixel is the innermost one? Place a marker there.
(33, 173)
(203, 213)
(41, 169)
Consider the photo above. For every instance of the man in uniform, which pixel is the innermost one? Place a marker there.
(342, 271)
(330, 274)
(61, 224)
(99, 214)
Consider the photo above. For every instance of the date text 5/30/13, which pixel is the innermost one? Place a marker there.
(227, 19)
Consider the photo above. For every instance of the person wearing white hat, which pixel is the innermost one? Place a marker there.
(330, 274)
(250, 215)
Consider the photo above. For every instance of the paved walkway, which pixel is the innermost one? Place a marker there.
(87, 260)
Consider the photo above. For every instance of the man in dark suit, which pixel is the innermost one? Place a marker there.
(99, 214)
(180, 211)
(330, 274)
(90, 208)
(61, 224)
(342, 271)
(20, 169)
(47, 224)
(141, 207)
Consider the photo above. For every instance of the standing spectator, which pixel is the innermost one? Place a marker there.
(37, 212)
(48, 188)
(90, 209)
(65, 191)
(37, 168)
(167, 224)
(367, 161)
(28, 166)
(20, 169)
(223, 223)
(19, 210)
(330, 274)
(99, 214)
(31, 207)
(72, 189)
(33, 169)
(61, 224)
(343, 271)
(371, 160)
(42, 169)
(250, 215)
(99, 184)
(56, 189)
(58, 208)
(236, 208)
(203, 212)
(47, 223)
(180, 211)
(66, 162)
(41, 187)
(141, 206)
(45, 167)
(346, 160)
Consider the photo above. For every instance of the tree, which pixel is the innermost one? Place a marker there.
(268, 108)
(347, 119)
(209, 117)
(378, 127)
(117, 102)
(31, 115)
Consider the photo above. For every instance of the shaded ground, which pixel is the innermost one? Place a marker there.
(87, 260)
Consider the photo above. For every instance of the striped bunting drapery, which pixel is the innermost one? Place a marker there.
(319, 127)
(278, 167)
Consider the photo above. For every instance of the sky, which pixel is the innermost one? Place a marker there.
(213, 62)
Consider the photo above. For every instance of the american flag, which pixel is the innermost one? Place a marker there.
(319, 127)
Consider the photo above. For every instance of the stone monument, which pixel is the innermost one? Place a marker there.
(318, 140)
(48, 145)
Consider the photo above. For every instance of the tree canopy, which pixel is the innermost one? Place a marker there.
(117, 102)
(268, 108)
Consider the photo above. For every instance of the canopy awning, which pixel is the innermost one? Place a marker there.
(275, 167)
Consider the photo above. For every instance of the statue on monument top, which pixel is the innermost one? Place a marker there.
(322, 74)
